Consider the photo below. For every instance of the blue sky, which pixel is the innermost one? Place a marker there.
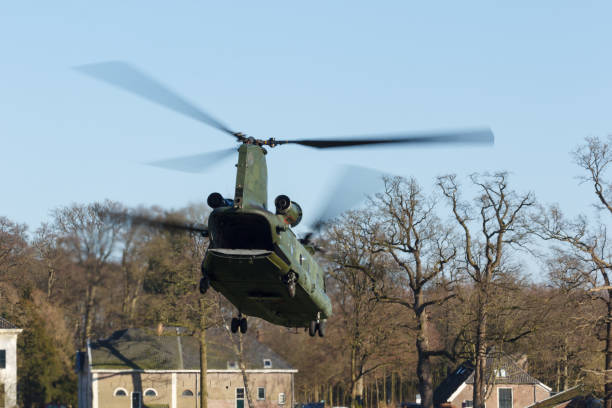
(539, 76)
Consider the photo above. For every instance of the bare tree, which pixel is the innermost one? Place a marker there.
(237, 343)
(418, 250)
(495, 221)
(368, 329)
(91, 239)
(588, 243)
(52, 257)
(13, 247)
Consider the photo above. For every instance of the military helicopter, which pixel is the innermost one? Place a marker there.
(254, 258)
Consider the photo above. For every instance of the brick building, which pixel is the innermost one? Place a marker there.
(137, 368)
(510, 386)
(8, 363)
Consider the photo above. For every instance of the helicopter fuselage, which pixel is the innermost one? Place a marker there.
(252, 252)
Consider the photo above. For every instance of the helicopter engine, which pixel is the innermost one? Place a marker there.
(216, 200)
(289, 210)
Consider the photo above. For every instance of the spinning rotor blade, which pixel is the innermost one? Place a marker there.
(128, 78)
(166, 225)
(478, 136)
(352, 186)
(193, 164)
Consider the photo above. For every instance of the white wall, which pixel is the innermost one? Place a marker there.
(8, 375)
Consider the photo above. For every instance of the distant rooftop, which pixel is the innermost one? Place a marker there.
(5, 324)
(505, 370)
(143, 349)
(499, 366)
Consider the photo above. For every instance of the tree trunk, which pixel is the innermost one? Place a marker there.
(401, 388)
(378, 393)
(203, 362)
(245, 379)
(393, 388)
(89, 305)
(565, 366)
(384, 386)
(425, 379)
(608, 372)
(481, 360)
(50, 281)
(356, 381)
(558, 382)
(424, 374)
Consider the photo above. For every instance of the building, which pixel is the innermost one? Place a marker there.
(571, 397)
(510, 386)
(8, 363)
(137, 368)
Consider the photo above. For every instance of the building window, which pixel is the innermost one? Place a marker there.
(261, 393)
(504, 396)
(150, 392)
(467, 404)
(2, 358)
(281, 398)
(232, 365)
(500, 373)
(187, 393)
(267, 363)
(120, 392)
(239, 397)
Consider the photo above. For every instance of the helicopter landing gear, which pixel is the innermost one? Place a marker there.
(204, 285)
(290, 280)
(317, 326)
(204, 282)
(312, 328)
(239, 323)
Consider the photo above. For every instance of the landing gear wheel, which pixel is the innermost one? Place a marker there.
(234, 325)
(204, 285)
(312, 329)
(321, 328)
(243, 325)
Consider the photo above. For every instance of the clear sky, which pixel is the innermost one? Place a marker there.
(540, 76)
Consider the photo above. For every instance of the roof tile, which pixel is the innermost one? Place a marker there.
(5, 324)
(144, 349)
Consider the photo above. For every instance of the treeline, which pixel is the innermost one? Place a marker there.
(420, 282)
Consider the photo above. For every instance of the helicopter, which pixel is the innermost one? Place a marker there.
(254, 258)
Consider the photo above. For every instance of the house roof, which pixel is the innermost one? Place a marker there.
(559, 397)
(143, 349)
(499, 366)
(505, 371)
(5, 324)
(443, 392)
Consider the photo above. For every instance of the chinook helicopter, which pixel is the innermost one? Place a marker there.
(254, 258)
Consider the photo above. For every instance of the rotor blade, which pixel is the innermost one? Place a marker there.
(353, 185)
(193, 164)
(128, 78)
(478, 136)
(160, 224)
